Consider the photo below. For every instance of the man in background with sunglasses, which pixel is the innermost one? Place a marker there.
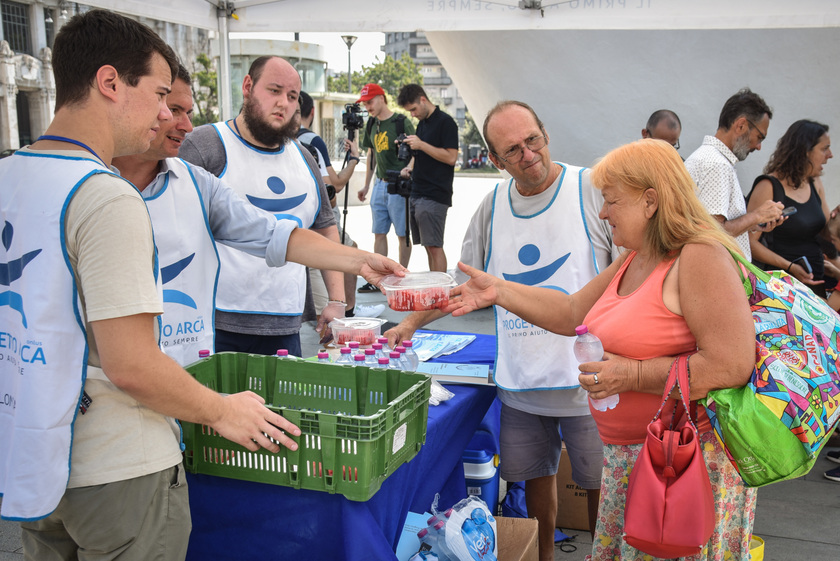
(742, 127)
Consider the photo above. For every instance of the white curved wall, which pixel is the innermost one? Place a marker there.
(596, 89)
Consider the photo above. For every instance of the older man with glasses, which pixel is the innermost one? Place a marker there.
(539, 228)
(742, 127)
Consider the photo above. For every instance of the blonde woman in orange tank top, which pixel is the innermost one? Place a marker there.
(675, 291)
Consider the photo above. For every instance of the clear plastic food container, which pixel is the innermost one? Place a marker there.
(418, 291)
(363, 330)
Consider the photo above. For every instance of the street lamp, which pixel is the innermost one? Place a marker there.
(349, 40)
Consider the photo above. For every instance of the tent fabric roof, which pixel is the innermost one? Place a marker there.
(460, 15)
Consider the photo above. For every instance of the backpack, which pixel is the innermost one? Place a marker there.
(305, 136)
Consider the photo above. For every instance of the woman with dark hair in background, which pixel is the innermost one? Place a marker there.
(792, 177)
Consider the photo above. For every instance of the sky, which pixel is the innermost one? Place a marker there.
(365, 51)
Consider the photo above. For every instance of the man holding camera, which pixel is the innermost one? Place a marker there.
(383, 128)
(432, 169)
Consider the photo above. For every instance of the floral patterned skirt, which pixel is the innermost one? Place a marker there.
(734, 506)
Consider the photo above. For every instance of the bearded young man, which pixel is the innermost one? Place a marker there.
(258, 308)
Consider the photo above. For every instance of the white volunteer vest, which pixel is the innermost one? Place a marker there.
(552, 249)
(281, 184)
(43, 349)
(189, 264)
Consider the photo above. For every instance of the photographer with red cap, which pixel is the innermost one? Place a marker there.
(382, 130)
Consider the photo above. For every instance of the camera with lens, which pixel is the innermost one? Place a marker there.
(351, 118)
(397, 184)
(403, 149)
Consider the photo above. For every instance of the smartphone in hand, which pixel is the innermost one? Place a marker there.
(787, 211)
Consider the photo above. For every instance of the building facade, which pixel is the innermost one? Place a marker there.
(436, 80)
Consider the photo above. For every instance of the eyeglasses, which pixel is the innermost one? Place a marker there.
(761, 135)
(514, 155)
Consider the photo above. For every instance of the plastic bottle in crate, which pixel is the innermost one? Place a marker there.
(406, 363)
(284, 354)
(382, 363)
(379, 352)
(358, 360)
(354, 345)
(588, 348)
(394, 361)
(412, 357)
(324, 357)
(384, 342)
(370, 358)
(344, 356)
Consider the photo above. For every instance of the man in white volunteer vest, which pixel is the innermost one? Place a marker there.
(539, 228)
(190, 208)
(259, 308)
(82, 371)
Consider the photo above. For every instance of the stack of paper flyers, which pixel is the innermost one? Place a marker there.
(433, 345)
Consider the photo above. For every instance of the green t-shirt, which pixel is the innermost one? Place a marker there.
(381, 139)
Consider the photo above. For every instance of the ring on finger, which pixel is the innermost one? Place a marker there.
(596, 378)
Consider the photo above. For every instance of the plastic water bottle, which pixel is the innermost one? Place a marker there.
(324, 357)
(370, 358)
(384, 342)
(283, 353)
(428, 551)
(413, 359)
(382, 362)
(394, 361)
(344, 356)
(203, 353)
(405, 365)
(353, 345)
(438, 530)
(358, 360)
(379, 352)
(588, 348)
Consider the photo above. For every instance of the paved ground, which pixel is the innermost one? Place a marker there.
(799, 519)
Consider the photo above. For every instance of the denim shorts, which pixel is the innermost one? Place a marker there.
(386, 210)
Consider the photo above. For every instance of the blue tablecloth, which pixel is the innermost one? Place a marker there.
(240, 520)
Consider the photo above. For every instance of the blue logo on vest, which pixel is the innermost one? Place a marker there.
(279, 207)
(170, 272)
(12, 271)
(529, 255)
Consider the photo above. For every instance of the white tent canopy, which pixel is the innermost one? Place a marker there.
(594, 70)
(476, 15)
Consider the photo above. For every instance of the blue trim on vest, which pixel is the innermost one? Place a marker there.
(250, 146)
(215, 249)
(490, 241)
(551, 202)
(315, 180)
(585, 225)
(224, 148)
(162, 189)
(60, 157)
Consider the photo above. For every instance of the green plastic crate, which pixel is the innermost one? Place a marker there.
(358, 425)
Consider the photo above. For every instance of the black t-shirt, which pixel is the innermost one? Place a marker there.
(432, 178)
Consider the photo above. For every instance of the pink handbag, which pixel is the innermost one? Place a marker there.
(670, 507)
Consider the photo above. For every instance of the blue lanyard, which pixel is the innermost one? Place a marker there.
(71, 141)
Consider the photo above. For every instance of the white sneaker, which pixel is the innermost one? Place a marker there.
(373, 311)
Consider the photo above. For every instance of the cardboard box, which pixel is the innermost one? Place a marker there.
(517, 539)
(572, 505)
